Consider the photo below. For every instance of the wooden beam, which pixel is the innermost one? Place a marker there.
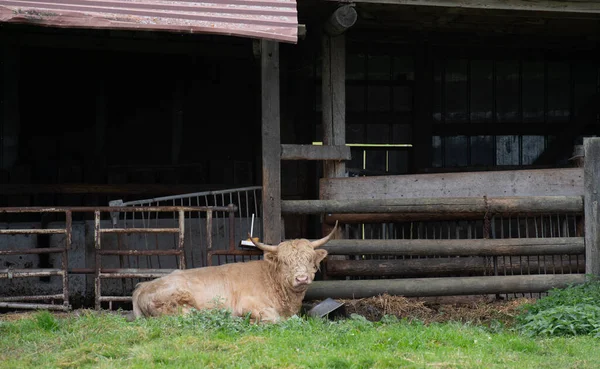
(498, 205)
(334, 99)
(360, 218)
(342, 18)
(591, 166)
(574, 8)
(537, 182)
(471, 247)
(315, 152)
(406, 267)
(271, 142)
(440, 286)
(453, 266)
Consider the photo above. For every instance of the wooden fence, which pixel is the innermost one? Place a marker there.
(552, 246)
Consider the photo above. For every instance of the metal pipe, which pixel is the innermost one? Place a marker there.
(140, 252)
(235, 252)
(17, 305)
(209, 230)
(128, 275)
(26, 273)
(65, 257)
(88, 209)
(32, 298)
(49, 250)
(97, 285)
(232, 227)
(116, 298)
(181, 239)
(139, 230)
(31, 231)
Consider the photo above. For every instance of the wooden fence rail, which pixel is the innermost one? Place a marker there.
(448, 286)
(471, 247)
(446, 206)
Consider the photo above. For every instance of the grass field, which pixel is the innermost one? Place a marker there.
(214, 340)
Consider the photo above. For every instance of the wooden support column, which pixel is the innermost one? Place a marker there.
(334, 99)
(271, 143)
(10, 107)
(591, 204)
(334, 84)
(334, 93)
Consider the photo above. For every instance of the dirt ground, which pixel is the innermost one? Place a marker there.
(474, 309)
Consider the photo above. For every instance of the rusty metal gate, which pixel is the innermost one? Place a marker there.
(128, 269)
(27, 302)
(222, 234)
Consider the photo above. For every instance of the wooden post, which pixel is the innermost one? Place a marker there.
(9, 114)
(271, 143)
(334, 99)
(591, 170)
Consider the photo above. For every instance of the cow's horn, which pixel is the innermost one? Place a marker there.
(262, 246)
(322, 241)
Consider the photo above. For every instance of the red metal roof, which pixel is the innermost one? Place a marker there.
(268, 19)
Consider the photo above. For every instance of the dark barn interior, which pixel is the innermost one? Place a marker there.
(127, 109)
(94, 115)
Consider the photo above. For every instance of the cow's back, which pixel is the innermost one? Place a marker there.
(201, 288)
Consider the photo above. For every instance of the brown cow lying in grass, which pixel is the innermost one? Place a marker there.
(270, 290)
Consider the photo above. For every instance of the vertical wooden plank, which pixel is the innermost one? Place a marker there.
(423, 97)
(334, 99)
(10, 107)
(271, 142)
(591, 201)
(334, 109)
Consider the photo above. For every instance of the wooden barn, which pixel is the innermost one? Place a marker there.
(452, 140)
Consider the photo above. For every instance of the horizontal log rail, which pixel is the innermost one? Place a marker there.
(471, 247)
(359, 218)
(412, 287)
(461, 205)
(451, 266)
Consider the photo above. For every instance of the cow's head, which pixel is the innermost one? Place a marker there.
(296, 261)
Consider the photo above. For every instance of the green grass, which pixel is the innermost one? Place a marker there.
(215, 340)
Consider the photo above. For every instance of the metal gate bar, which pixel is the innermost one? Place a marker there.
(247, 200)
(232, 250)
(9, 273)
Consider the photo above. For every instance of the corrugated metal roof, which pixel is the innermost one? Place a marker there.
(268, 19)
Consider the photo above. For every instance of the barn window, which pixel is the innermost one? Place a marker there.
(499, 111)
(379, 110)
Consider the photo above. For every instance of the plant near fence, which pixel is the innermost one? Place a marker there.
(574, 310)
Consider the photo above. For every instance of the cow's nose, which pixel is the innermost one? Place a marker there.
(302, 279)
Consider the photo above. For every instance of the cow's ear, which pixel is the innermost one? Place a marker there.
(270, 257)
(321, 254)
